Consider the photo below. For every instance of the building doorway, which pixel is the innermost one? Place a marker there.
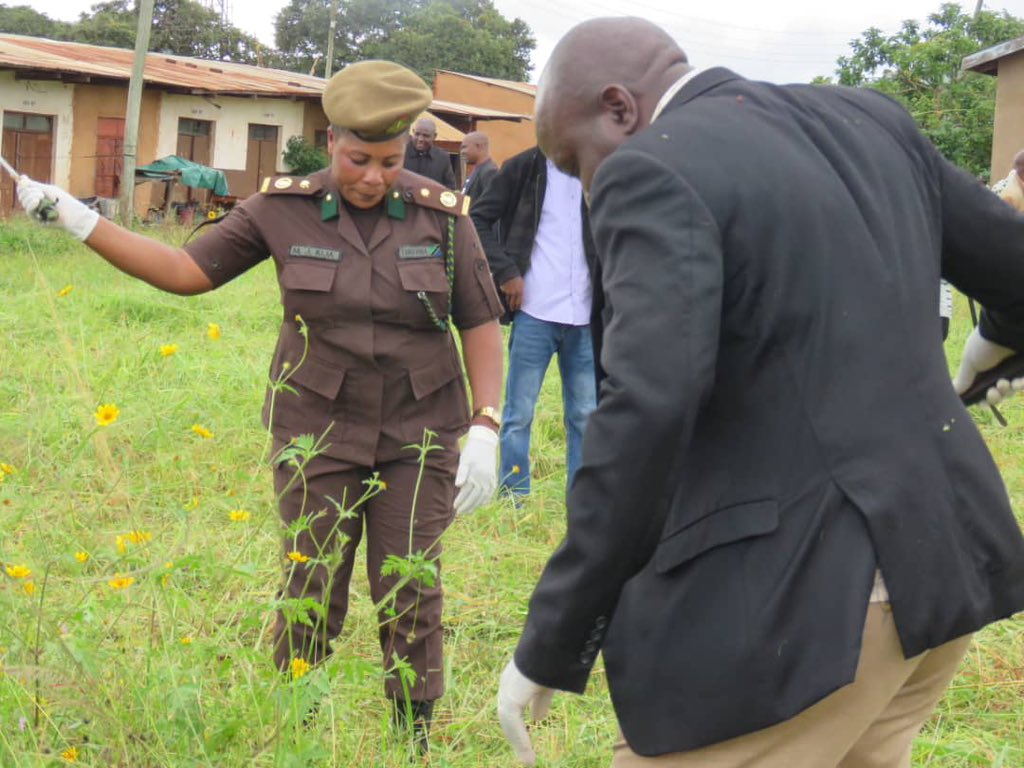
(28, 146)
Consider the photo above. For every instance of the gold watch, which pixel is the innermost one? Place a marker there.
(489, 412)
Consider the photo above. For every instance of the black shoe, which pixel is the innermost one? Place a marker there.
(419, 713)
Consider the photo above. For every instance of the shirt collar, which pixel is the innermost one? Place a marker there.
(673, 89)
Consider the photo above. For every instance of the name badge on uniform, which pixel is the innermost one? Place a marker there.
(419, 252)
(313, 252)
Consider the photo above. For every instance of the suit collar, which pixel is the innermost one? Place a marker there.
(701, 83)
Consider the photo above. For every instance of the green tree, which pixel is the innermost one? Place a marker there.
(22, 20)
(469, 36)
(181, 27)
(920, 67)
(302, 157)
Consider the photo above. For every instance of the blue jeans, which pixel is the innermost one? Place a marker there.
(531, 344)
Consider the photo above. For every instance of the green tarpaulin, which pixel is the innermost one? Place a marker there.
(188, 173)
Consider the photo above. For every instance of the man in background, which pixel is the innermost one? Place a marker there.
(533, 226)
(476, 151)
(422, 157)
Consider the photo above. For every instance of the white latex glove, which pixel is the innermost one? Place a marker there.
(979, 355)
(516, 692)
(477, 476)
(78, 219)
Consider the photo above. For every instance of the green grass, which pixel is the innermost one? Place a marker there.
(175, 670)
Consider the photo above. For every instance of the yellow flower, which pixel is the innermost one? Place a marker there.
(187, 640)
(299, 667)
(18, 571)
(70, 755)
(82, 557)
(213, 331)
(194, 504)
(65, 291)
(202, 431)
(297, 557)
(122, 547)
(107, 414)
(7, 469)
(169, 565)
(168, 349)
(29, 587)
(515, 469)
(121, 582)
(211, 215)
(238, 515)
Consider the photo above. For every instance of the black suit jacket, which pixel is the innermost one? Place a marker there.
(479, 179)
(776, 417)
(435, 164)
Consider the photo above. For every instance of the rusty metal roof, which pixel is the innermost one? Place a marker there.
(39, 58)
(528, 88)
(80, 62)
(479, 113)
(987, 61)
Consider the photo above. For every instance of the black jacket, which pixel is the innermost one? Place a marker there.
(480, 179)
(507, 214)
(776, 417)
(435, 164)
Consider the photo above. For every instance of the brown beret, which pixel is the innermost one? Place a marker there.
(376, 100)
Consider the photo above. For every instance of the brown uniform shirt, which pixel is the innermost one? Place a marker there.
(378, 365)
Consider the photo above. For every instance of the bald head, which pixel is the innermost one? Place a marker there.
(476, 148)
(424, 131)
(600, 86)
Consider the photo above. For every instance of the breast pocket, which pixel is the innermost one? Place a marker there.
(426, 287)
(307, 287)
(720, 528)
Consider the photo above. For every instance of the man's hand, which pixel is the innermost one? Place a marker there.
(477, 476)
(980, 356)
(78, 219)
(513, 290)
(516, 692)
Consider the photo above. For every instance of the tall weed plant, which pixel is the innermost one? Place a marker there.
(141, 554)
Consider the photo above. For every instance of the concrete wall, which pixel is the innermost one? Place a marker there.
(90, 103)
(507, 137)
(43, 97)
(1008, 133)
(231, 124)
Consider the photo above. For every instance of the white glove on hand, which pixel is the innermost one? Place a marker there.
(516, 692)
(477, 476)
(78, 219)
(980, 355)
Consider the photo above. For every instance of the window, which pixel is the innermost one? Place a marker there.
(189, 127)
(262, 132)
(24, 123)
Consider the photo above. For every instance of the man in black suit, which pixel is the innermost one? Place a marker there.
(786, 525)
(476, 151)
(422, 157)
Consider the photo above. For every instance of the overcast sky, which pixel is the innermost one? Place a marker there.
(781, 41)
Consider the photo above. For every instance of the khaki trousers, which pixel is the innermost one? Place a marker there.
(870, 723)
(411, 628)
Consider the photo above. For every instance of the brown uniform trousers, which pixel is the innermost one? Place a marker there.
(381, 366)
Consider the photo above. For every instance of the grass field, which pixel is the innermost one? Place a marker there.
(173, 669)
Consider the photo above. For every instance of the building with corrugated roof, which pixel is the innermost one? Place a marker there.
(63, 107)
(1005, 62)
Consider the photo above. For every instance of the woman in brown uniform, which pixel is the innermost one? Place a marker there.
(380, 263)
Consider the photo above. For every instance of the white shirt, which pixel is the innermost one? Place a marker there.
(673, 89)
(556, 287)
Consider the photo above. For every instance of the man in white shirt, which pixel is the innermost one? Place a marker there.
(539, 255)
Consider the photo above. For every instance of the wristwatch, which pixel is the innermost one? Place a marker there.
(489, 412)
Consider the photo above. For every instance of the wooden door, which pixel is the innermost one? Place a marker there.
(261, 156)
(109, 156)
(28, 146)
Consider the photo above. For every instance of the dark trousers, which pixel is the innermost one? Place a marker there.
(413, 630)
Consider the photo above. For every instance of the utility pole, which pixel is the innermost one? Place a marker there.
(332, 28)
(131, 118)
(977, 8)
